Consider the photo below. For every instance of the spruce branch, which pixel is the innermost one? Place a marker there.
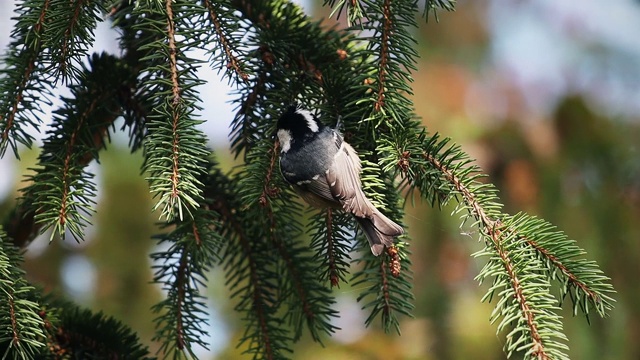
(330, 240)
(70, 27)
(592, 285)
(105, 100)
(194, 245)
(243, 262)
(183, 312)
(242, 127)
(582, 280)
(491, 228)
(23, 83)
(108, 89)
(60, 192)
(173, 61)
(388, 293)
(308, 300)
(137, 104)
(536, 321)
(332, 270)
(72, 332)
(521, 271)
(226, 41)
(21, 328)
(395, 58)
(248, 262)
(48, 327)
(174, 146)
(269, 190)
(306, 75)
(469, 197)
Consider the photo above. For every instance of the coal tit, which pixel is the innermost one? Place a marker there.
(325, 171)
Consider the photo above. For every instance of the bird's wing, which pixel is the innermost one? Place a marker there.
(319, 187)
(343, 178)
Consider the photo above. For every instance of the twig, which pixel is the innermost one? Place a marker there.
(269, 191)
(175, 89)
(333, 270)
(573, 279)
(180, 284)
(233, 61)
(384, 54)
(67, 40)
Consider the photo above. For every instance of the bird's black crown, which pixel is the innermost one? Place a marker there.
(299, 121)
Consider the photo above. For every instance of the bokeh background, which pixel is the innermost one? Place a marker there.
(544, 94)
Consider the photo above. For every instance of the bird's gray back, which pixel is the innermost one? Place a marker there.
(304, 162)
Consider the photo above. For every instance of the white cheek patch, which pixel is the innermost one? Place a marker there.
(284, 137)
(313, 125)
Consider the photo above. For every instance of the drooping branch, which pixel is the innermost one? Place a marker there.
(232, 61)
(70, 152)
(25, 77)
(175, 89)
(102, 103)
(181, 270)
(490, 225)
(492, 229)
(386, 307)
(242, 128)
(70, 33)
(180, 283)
(174, 146)
(67, 39)
(258, 293)
(331, 241)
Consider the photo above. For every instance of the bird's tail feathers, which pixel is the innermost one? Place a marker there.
(380, 231)
(385, 225)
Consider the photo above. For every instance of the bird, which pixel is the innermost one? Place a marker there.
(325, 171)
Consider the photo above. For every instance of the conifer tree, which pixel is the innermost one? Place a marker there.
(247, 222)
